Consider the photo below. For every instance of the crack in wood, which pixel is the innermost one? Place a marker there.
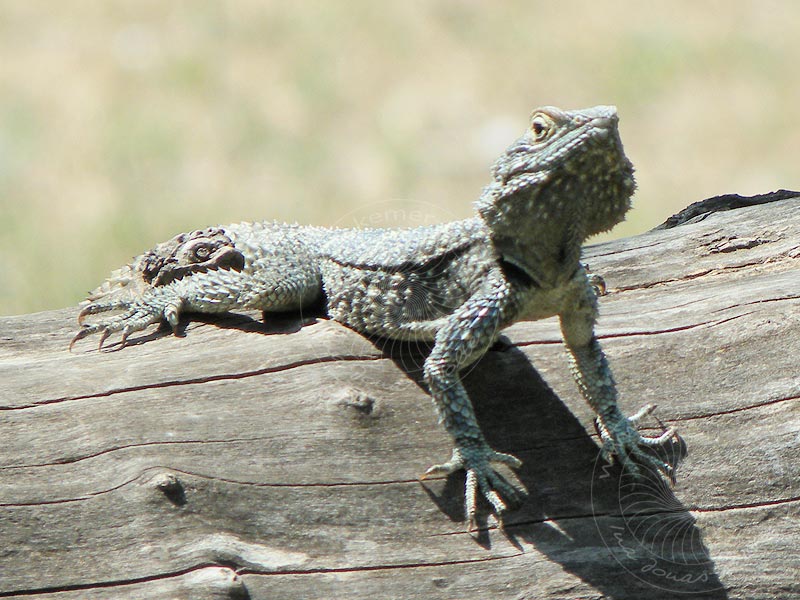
(77, 459)
(639, 515)
(384, 567)
(198, 380)
(257, 484)
(593, 251)
(732, 411)
(110, 584)
(641, 332)
(693, 276)
(757, 302)
(117, 583)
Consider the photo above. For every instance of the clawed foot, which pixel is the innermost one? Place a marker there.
(622, 441)
(482, 476)
(145, 290)
(137, 316)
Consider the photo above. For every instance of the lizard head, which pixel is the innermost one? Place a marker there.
(569, 166)
(196, 252)
(187, 253)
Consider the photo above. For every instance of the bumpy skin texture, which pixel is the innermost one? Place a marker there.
(456, 284)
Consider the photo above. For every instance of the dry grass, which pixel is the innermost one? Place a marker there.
(123, 122)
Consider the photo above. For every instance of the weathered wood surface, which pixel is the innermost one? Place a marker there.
(253, 461)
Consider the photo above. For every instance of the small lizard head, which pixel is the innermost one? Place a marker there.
(568, 166)
(196, 252)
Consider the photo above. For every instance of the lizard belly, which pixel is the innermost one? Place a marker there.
(543, 303)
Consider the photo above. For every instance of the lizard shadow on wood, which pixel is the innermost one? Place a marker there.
(277, 324)
(576, 503)
(239, 321)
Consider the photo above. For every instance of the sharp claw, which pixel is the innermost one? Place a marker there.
(75, 339)
(124, 339)
(483, 478)
(95, 308)
(472, 524)
(87, 310)
(135, 318)
(641, 413)
(172, 315)
(103, 338)
(432, 472)
(494, 488)
(442, 469)
(79, 336)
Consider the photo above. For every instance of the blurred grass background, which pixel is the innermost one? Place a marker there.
(124, 122)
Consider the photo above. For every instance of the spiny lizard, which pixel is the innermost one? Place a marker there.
(455, 284)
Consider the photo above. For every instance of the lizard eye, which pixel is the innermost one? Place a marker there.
(541, 127)
(202, 251)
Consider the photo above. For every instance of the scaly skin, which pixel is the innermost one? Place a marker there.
(456, 284)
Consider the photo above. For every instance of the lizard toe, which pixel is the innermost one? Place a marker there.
(506, 459)
(100, 307)
(451, 466)
(85, 332)
(133, 320)
(495, 488)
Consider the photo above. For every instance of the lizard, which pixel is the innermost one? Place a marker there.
(454, 284)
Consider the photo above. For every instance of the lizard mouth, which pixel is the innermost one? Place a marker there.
(223, 258)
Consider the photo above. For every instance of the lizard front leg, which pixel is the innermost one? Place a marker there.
(464, 338)
(590, 368)
(209, 292)
(178, 276)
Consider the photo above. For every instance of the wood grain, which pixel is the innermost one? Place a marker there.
(246, 460)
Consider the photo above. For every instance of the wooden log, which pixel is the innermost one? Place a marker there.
(250, 460)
